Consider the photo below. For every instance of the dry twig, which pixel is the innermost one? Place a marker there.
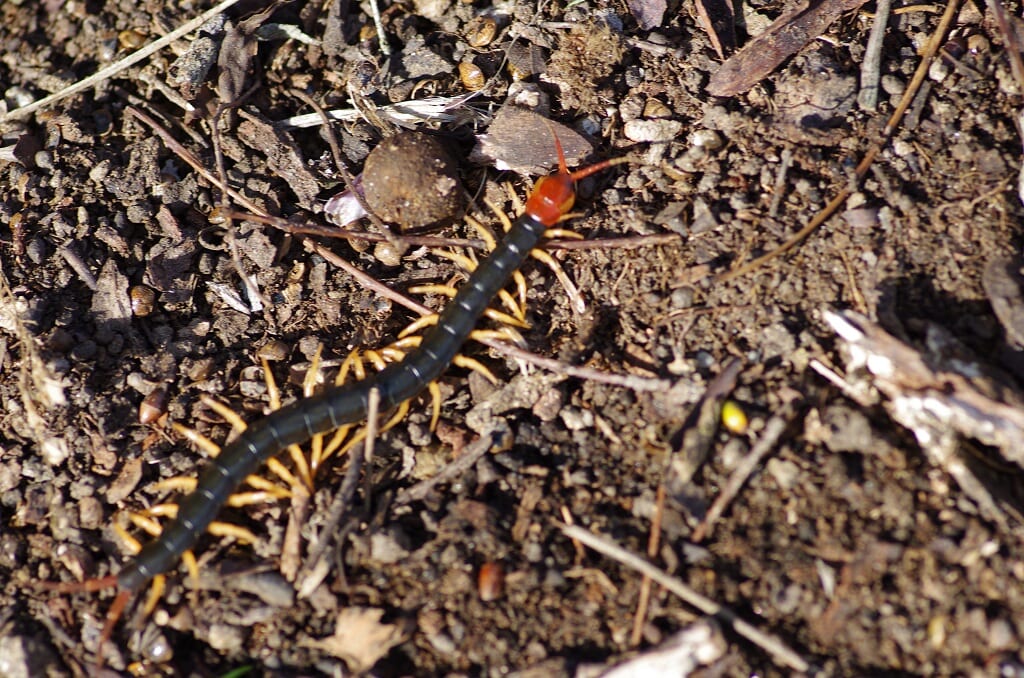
(765, 444)
(782, 654)
(115, 68)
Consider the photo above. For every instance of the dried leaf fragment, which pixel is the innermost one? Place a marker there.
(648, 13)
(360, 639)
(524, 142)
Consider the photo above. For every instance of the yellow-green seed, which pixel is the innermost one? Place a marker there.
(734, 419)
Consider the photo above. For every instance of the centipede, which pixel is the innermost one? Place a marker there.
(549, 202)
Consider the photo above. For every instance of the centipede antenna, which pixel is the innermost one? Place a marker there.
(584, 172)
(597, 167)
(562, 167)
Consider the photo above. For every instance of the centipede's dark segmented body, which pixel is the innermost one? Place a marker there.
(336, 407)
(552, 197)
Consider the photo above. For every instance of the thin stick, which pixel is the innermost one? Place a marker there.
(117, 67)
(334, 515)
(871, 66)
(765, 444)
(252, 290)
(653, 542)
(194, 162)
(366, 280)
(769, 643)
(465, 461)
(306, 228)
(590, 374)
(624, 243)
(379, 26)
(78, 266)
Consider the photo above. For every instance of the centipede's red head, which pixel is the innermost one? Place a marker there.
(553, 196)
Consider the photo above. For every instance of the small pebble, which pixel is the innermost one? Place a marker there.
(24, 657)
(656, 109)
(225, 637)
(784, 473)
(893, 85)
(977, 44)
(1001, 636)
(55, 450)
(862, 217)
(389, 254)
(142, 299)
(273, 350)
(707, 139)
(44, 160)
(491, 581)
(652, 130)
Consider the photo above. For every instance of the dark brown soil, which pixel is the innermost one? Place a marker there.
(846, 542)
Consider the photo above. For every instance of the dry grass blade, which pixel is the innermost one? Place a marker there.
(115, 68)
(783, 655)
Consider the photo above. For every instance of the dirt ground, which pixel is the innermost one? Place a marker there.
(850, 542)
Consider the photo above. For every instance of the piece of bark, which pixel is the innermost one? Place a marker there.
(938, 400)
(283, 157)
(1004, 286)
(787, 35)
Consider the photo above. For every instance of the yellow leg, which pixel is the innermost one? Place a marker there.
(156, 592)
(220, 529)
(201, 442)
(475, 365)
(237, 423)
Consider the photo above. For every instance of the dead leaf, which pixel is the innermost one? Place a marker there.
(111, 306)
(360, 639)
(522, 141)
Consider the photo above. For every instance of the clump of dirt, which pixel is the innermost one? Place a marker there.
(411, 180)
(587, 56)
